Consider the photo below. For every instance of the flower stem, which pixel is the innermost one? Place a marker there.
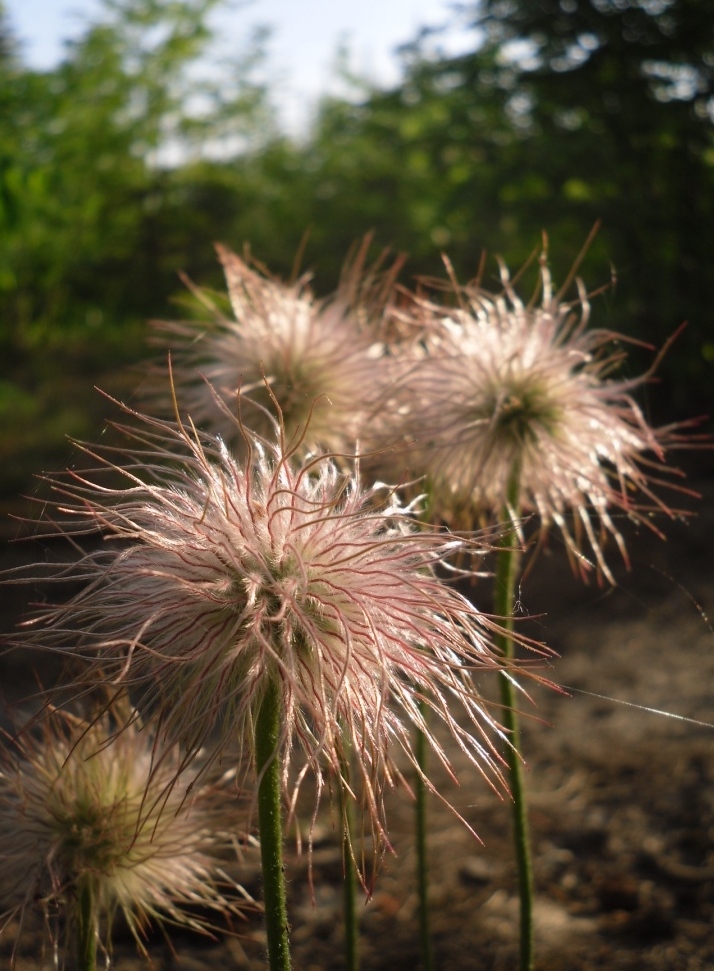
(86, 929)
(350, 873)
(267, 735)
(427, 958)
(507, 570)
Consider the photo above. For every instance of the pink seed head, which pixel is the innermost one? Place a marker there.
(323, 361)
(218, 578)
(505, 396)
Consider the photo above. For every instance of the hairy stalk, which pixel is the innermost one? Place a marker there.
(427, 957)
(86, 928)
(267, 735)
(507, 570)
(350, 873)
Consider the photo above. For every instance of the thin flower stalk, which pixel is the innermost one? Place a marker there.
(425, 941)
(349, 871)
(87, 923)
(267, 739)
(507, 572)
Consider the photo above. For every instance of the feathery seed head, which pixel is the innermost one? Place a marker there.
(83, 808)
(509, 397)
(225, 578)
(322, 360)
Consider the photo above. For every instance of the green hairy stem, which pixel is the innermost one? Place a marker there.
(267, 735)
(350, 872)
(427, 958)
(507, 571)
(86, 928)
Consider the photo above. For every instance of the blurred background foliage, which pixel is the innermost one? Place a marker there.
(122, 166)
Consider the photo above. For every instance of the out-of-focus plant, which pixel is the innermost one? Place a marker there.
(93, 825)
(326, 363)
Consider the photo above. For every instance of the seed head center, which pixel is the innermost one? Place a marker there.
(90, 836)
(519, 413)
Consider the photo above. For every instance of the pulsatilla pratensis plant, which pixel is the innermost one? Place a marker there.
(93, 826)
(220, 580)
(515, 409)
(323, 360)
(274, 606)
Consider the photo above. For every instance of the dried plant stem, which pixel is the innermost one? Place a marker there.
(86, 928)
(507, 570)
(427, 957)
(267, 735)
(350, 872)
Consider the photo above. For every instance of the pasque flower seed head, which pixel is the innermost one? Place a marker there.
(218, 578)
(511, 397)
(86, 809)
(323, 361)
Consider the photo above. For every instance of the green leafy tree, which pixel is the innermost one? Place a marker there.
(564, 113)
(91, 174)
(99, 136)
(616, 98)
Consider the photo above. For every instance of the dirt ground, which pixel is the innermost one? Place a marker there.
(621, 799)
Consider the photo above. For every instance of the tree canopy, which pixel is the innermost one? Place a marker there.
(564, 114)
(92, 169)
(122, 165)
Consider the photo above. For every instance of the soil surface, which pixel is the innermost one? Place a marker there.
(621, 799)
